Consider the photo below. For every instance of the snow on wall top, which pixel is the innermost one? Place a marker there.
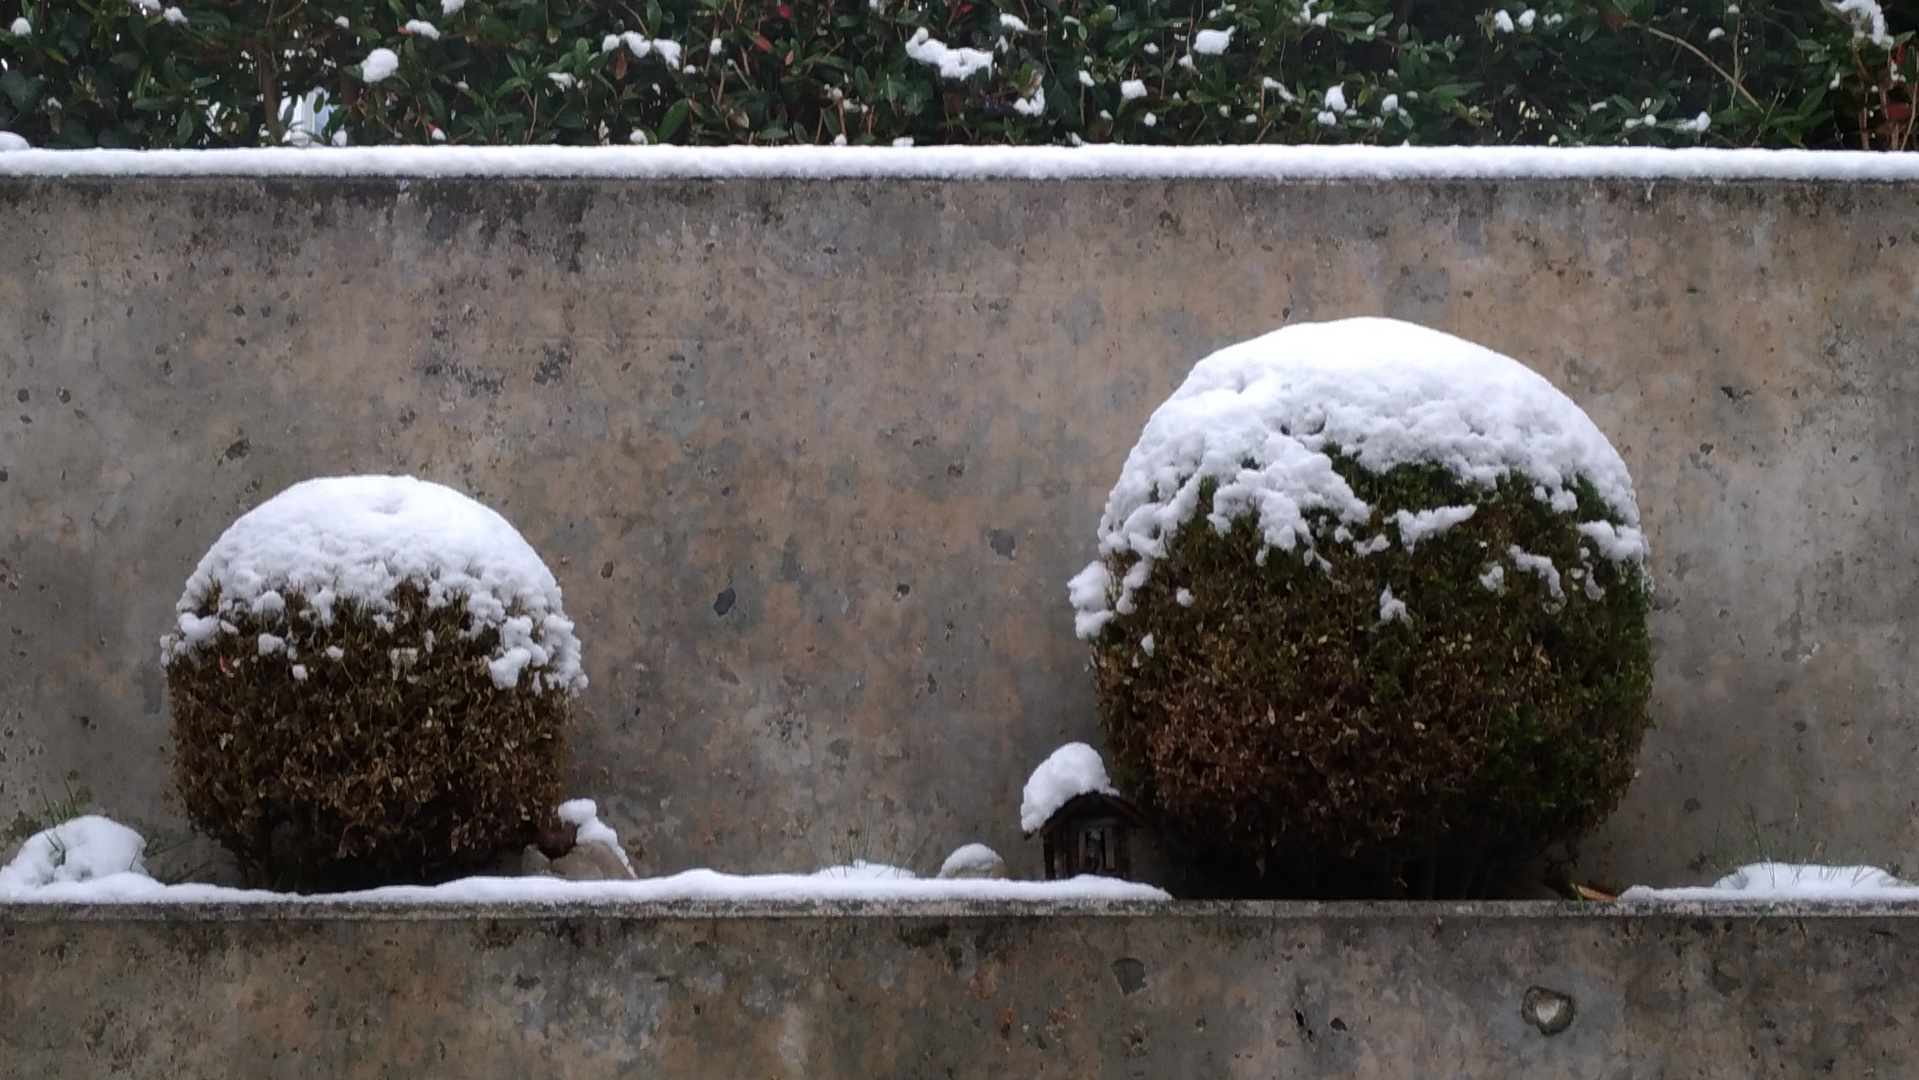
(981, 163)
(356, 538)
(1385, 392)
(1069, 772)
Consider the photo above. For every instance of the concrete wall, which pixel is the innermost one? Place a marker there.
(813, 461)
(1413, 991)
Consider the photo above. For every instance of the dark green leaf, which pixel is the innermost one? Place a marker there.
(675, 116)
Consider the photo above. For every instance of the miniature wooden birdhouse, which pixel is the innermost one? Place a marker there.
(1093, 833)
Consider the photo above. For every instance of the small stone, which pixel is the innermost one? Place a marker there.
(1548, 1010)
(534, 863)
(592, 861)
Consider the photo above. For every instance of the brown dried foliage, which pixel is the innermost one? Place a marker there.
(1293, 744)
(381, 767)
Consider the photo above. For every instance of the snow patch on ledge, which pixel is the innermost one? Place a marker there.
(1105, 162)
(690, 885)
(74, 853)
(96, 860)
(1772, 881)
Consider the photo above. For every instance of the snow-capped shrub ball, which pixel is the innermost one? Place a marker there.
(369, 678)
(1369, 614)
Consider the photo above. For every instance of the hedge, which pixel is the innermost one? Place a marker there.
(217, 73)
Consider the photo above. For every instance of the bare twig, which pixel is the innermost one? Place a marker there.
(1738, 58)
(1731, 80)
(267, 73)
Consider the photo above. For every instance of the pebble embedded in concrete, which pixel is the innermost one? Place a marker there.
(1548, 1010)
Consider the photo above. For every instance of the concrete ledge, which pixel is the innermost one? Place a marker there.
(813, 461)
(957, 990)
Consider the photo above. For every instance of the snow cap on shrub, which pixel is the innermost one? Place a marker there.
(1257, 418)
(355, 539)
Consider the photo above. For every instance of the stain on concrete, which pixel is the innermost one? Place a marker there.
(1082, 318)
(553, 366)
(1420, 293)
(1002, 542)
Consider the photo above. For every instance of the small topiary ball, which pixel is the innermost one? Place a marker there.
(369, 681)
(1370, 614)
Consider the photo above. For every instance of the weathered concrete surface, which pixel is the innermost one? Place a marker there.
(813, 461)
(1344, 991)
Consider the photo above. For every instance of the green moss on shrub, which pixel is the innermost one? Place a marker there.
(1297, 743)
(394, 759)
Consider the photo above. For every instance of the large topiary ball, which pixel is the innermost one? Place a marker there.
(1369, 615)
(369, 680)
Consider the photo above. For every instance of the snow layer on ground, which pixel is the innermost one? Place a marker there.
(1257, 416)
(97, 860)
(1789, 881)
(985, 162)
(75, 852)
(1069, 772)
(355, 538)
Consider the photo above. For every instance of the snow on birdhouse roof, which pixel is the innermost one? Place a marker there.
(1070, 771)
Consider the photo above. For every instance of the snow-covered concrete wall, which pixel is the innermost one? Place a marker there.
(814, 459)
(1395, 992)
